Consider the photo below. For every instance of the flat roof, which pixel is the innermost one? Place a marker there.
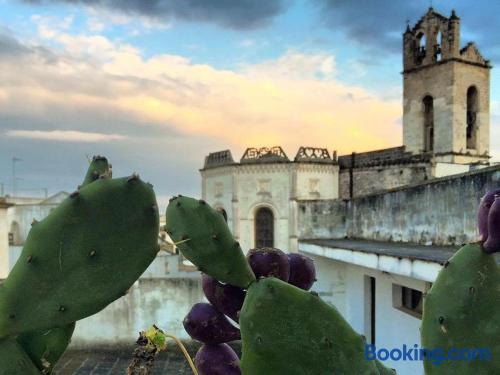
(432, 253)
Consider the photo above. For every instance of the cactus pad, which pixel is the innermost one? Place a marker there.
(14, 360)
(46, 347)
(84, 255)
(461, 311)
(204, 238)
(98, 168)
(289, 331)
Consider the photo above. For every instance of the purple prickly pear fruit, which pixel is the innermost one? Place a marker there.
(302, 271)
(483, 211)
(492, 244)
(204, 323)
(228, 299)
(217, 360)
(269, 262)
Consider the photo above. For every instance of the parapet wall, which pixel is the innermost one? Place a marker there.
(440, 211)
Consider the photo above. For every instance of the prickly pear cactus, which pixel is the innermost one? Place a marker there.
(87, 253)
(461, 311)
(98, 168)
(46, 347)
(203, 237)
(14, 360)
(288, 331)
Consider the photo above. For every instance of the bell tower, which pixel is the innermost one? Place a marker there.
(446, 92)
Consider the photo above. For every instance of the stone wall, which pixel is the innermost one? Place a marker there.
(372, 179)
(441, 211)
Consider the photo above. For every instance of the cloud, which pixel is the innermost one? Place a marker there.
(64, 135)
(172, 110)
(379, 24)
(239, 15)
(294, 65)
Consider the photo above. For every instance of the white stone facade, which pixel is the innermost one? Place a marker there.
(241, 189)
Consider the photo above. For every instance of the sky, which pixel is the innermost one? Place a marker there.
(156, 85)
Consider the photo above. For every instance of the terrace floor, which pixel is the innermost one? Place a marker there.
(80, 362)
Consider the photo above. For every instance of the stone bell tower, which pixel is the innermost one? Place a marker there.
(446, 92)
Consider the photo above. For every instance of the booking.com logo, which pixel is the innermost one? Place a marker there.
(436, 356)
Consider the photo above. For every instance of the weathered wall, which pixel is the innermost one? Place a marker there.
(322, 218)
(441, 211)
(371, 179)
(4, 240)
(160, 301)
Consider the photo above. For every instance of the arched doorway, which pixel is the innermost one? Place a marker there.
(264, 228)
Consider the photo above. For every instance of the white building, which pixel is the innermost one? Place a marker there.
(259, 194)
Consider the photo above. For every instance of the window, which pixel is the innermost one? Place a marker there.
(428, 103)
(472, 108)
(408, 300)
(438, 47)
(264, 228)
(314, 187)
(370, 309)
(14, 234)
(420, 52)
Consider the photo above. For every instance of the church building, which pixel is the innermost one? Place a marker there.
(446, 129)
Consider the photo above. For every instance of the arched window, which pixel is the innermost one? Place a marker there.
(438, 46)
(428, 103)
(421, 43)
(264, 228)
(472, 109)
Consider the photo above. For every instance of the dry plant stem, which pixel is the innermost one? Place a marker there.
(185, 352)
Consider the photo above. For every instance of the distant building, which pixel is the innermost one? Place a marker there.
(259, 194)
(445, 131)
